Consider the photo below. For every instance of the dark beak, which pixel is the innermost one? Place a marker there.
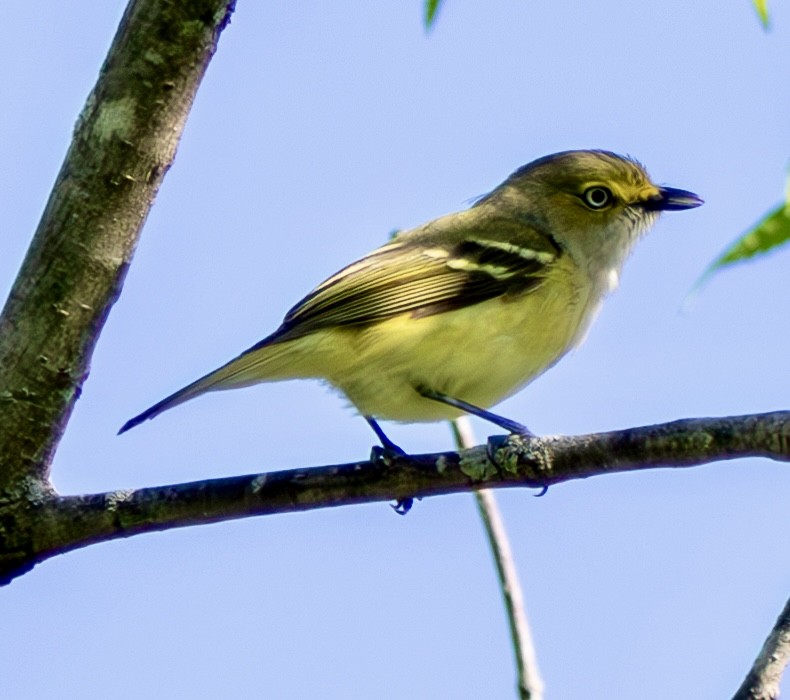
(671, 199)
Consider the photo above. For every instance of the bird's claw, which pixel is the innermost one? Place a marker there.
(403, 505)
(387, 454)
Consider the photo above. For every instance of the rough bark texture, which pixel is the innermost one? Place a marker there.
(124, 142)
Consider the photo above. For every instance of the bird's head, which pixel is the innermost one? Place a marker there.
(595, 204)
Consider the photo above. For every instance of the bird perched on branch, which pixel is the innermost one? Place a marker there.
(455, 315)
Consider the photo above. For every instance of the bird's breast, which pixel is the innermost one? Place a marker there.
(480, 353)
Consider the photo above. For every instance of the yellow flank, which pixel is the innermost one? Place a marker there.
(480, 354)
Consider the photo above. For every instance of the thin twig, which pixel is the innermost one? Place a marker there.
(530, 684)
(762, 681)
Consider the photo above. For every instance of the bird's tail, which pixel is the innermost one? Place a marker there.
(266, 361)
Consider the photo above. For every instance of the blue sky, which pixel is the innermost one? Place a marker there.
(319, 128)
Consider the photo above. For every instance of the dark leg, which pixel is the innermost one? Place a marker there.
(385, 441)
(510, 425)
(404, 505)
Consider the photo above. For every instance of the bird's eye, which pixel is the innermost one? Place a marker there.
(597, 197)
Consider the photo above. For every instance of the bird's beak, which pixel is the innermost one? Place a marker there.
(671, 199)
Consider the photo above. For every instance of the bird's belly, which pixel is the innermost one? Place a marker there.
(480, 354)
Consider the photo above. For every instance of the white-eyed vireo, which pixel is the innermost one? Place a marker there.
(455, 315)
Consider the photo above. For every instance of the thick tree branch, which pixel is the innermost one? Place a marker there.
(124, 142)
(61, 523)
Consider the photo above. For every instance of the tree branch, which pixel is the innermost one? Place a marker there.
(56, 524)
(124, 142)
(762, 681)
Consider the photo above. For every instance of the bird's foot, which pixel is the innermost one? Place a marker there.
(403, 505)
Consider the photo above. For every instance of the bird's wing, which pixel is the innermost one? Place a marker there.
(406, 277)
(410, 275)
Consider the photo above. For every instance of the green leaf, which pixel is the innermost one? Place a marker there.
(770, 232)
(761, 6)
(432, 7)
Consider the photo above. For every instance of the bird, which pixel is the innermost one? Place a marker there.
(455, 315)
